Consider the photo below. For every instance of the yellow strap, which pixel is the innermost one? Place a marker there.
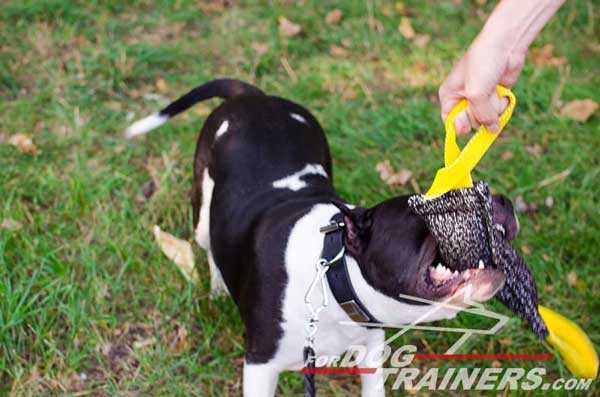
(457, 172)
(572, 343)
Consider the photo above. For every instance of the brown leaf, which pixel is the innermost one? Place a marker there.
(24, 144)
(507, 155)
(161, 85)
(520, 204)
(387, 11)
(405, 28)
(288, 28)
(347, 43)
(387, 174)
(375, 24)
(580, 110)
(10, 224)
(572, 279)
(403, 9)
(212, 6)
(179, 251)
(421, 40)
(333, 17)
(526, 250)
(260, 48)
(535, 149)
(338, 52)
(180, 342)
(544, 56)
(140, 344)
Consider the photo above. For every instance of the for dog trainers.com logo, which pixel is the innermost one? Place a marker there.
(403, 377)
(359, 359)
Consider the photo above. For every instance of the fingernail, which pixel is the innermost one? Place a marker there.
(494, 127)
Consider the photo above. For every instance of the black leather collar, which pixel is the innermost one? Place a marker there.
(337, 274)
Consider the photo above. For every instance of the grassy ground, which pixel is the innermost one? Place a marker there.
(82, 278)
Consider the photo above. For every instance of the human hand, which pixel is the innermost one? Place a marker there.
(496, 57)
(475, 77)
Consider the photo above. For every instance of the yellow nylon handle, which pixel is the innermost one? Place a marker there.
(458, 164)
(572, 343)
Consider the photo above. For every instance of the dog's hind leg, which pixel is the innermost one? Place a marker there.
(260, 380)
(373, 384)
(202, 192)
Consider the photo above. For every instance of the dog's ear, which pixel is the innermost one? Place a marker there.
(358, 223)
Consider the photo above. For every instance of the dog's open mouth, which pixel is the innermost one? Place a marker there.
(440, 281)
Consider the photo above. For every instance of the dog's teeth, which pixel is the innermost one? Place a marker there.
(481, 265)
(456, 272)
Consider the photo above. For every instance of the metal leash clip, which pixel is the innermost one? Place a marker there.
(313, 312)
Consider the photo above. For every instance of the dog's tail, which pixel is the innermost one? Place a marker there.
(222, 88)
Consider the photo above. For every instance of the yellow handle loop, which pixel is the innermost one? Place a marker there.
(458, 165)
(572, 343)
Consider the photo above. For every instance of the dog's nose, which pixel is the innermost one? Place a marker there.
(504, 215)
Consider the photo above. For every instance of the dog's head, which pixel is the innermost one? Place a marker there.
(398, 255)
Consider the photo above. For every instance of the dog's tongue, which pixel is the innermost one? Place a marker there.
(519, 292)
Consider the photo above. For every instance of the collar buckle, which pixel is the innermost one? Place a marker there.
(333, 226)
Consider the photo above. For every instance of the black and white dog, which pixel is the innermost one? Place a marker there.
(262, 188)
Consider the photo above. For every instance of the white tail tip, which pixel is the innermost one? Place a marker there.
(145, 125)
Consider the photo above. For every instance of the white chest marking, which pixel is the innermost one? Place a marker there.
(293, 182)
(296, 116)
(222, 129)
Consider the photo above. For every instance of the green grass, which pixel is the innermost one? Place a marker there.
(83, 278)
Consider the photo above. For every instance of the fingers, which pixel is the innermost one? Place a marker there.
(483, 108)
(467, 119)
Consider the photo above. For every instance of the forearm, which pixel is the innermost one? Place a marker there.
(514, 24)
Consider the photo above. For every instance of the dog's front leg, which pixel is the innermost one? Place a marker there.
(372, 384)
(260, 380)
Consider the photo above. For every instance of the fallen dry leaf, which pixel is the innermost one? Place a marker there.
(10, 224)
(572, 279)
(405, 28)
(387, 11)
(180, 342)
(338, 52)
(212, 6)
(179, 251)
(387, 174)
(535, 149)
(507, 155)
(403, 9)
(375, 24)
(140, 344)
(421, 40)
(333, 17)
(161, 85)
(544, 56)
(520, 204)
(260, 48)
(347, 43)
(288, 28)
(526, 250)
(580, 109)
(24, 144)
